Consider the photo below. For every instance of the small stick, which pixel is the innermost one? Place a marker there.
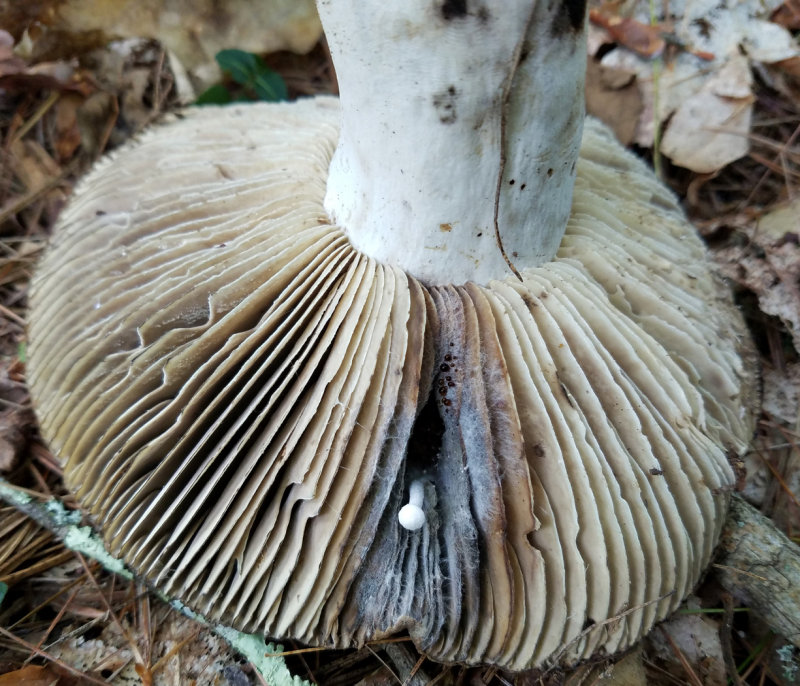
(86, 678)
(760, 567)
(725, 639)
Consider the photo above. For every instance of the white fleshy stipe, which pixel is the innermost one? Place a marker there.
(411, 516)
(415, 174)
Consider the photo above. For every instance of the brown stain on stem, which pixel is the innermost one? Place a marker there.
(517, 60)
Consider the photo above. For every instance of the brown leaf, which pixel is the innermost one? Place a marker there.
(769, 266)
(31, 675)
(68, 135)
(613, 96)
(642, 39)
(16, 75)
(21, 16)
(788, 15)
(60, 76)
(204, 26)
(12, 440)
(790, 66)
(32, 164)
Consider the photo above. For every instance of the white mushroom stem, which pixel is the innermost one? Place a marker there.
(460, 120)
(412, 516)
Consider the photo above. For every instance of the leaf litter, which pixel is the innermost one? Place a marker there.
(64, 621)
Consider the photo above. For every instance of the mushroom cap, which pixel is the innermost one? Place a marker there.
(411, 517)
(240, 400)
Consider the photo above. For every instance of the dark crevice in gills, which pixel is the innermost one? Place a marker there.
(425, 442)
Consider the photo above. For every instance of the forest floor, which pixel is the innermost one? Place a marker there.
(64, 620)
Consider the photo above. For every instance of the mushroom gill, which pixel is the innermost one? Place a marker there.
(241, 401)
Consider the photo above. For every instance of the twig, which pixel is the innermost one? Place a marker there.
(307, 667)
(11, 315)
(556, 659)
(37, 567)
(657, 65)
(725, 631)
(34, 195)
(383, 662)
(75, 633)
(54, 517)
(40, 112)
(172, 652)
(146, 628)
(760, 566)
(54, 623)
(137, 655)
(41, 653)
(743, 572)
(48, 600)
(157, 104)
(757, 656)
(690, 673)
(778, 476)
(408, 668)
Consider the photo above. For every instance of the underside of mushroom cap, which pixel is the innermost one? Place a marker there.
(241, 400)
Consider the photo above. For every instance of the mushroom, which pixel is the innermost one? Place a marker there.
(260, 330)
(411, 515)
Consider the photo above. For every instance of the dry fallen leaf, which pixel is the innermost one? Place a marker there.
(182, 652)
(688, 646)
(782, 393)
(790, 66)
(768, 265)
(68, 136)
(727, 30)
(194, 30)
(710, 128)
(612, 95)
(31, 675)
(788, 15)
(12, 440)
(773, 277)
(780, 223)
(16, 75)
(644, 39)
(628, 671)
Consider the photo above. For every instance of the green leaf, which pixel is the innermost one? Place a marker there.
(3, 591)
(249, 70)
(22, 352)
(242, 66)
(215, 95)
(269, 86)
